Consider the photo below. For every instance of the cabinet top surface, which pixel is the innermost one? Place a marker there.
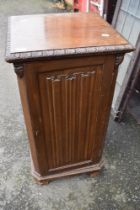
(57, 32)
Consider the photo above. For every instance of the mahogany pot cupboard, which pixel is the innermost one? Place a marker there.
(66, 66)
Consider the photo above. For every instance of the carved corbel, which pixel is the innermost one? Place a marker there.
(118, 60)
(19, 70)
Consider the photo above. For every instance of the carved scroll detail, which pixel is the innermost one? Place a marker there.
(19, 70)
(118, 60)
(70, 76)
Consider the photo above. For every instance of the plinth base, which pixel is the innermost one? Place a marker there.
(92, 170)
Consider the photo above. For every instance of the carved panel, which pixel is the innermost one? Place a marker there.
(71, 76)
(69, 114)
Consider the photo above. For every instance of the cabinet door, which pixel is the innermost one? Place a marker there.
(70, 101)
(69, 104)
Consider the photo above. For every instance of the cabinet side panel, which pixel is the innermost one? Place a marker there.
(27, 117)
(31, 83)
(93, 110)
(107, 90)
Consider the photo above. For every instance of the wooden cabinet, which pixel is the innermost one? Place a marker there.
(66, 66)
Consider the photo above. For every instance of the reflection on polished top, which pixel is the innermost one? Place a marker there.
(61, 31)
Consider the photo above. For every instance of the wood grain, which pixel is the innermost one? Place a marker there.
(77, 30)
(57, 105)
(55, 35)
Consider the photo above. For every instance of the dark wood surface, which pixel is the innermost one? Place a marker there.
(66, 104)
(34, 37)
(66, 101)
(58, 31)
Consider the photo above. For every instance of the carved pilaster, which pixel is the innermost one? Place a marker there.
(118, 60)
(19, 70)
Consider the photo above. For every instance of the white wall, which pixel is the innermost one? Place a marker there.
(128, 24)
